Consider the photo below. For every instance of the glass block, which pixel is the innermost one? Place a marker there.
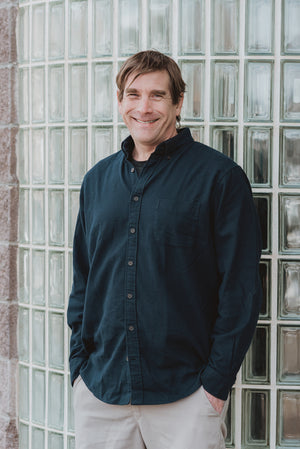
(289, 418)
(289, 289)
(192, 27)
(255, 429)
(56, 93)
(38, 33)
(69, 336)
(263, 206)
(71, 443)
(257, 155)
(56, 156)
(265, 277)
(194, 75)
(291, 91)
(56, 401)
(78, 93)
(23, 334)
(122, 134)
(38, 396)
(73, 212)
(102, 143)
(24, 215)
(291, 32)
(70, 270)
(56, 217)
(24, 276)
(102, 92)
(23, 34)
(56, 279)
(259, 26)
(102, 28)
(229, 420)
(77, 154)
(71, 423)
(23, 392)
(56, 340)
(23, 156)
(23, 99)
(38, 277)
(256, 367)
(290, 223)
(38, 155)
(258, 91)
(224, 139)
(129, 26)
(225, 27)
(289, 355)
(197, 133)
(225, 84)
(160, 25)
(55, 440)
(38, 438)
(56, 42)
(78, 43)
(23, 436)
(38, 337)
(290, 157)
(38, 94)
(38, 216)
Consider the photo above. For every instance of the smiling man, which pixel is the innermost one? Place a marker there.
(166, 290)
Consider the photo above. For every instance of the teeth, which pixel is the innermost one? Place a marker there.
(148, 121)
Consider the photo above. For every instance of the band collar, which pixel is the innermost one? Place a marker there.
(167, 148)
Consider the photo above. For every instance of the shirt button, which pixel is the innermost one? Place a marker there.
(135, 198)
(132, 170)
(130, 296)
(131, 328)
(130, 263)
(132, 230)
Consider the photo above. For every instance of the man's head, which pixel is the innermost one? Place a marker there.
(150, 96)
(151, 61)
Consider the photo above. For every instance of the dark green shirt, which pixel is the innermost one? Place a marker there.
(166, 290)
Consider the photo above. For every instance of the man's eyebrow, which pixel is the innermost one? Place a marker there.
(130, 90)
(159, 92)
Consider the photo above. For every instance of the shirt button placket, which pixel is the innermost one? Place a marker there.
(131, 323)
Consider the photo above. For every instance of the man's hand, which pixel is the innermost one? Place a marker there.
(217, 404)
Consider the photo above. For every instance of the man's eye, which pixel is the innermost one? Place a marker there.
(132, 95)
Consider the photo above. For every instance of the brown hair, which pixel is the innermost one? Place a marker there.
(151, 61)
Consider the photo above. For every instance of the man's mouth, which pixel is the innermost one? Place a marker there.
(145, 121)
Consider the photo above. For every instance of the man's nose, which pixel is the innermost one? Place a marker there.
(145, 104)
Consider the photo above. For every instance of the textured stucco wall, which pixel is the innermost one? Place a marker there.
(8, 226)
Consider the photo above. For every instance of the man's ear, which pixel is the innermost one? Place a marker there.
(119, 101)
(180, 102)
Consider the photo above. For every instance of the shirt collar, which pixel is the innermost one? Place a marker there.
(165, 148)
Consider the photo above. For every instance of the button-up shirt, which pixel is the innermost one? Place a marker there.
(166, 290)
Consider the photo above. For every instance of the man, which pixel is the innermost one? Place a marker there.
(166, 289)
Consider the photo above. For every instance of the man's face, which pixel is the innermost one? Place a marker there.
(147, 109)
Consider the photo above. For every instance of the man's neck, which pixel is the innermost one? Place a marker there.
(142, 153)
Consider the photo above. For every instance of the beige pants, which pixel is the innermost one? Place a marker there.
(190, 423)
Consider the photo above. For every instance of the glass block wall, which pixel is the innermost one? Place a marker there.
(241, 61)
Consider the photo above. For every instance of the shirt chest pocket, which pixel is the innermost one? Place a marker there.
(175, 222)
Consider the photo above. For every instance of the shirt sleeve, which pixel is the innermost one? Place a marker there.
(238, 249)
(78, 355)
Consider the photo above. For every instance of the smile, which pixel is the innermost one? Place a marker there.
(146, 121)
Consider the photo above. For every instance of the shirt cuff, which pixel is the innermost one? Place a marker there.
(216, 384)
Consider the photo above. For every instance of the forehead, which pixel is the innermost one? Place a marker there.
(158, 80)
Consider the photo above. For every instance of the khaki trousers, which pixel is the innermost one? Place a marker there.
(190, 423)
